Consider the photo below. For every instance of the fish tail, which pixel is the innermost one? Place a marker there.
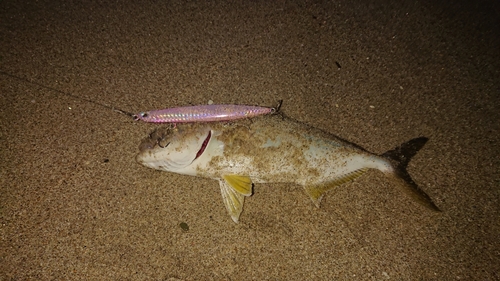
(399, 159)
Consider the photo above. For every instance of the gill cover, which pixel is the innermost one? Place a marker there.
(172, 149)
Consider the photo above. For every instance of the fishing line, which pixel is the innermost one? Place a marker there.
(69, 95)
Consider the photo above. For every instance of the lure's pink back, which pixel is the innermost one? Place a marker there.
(203, 113)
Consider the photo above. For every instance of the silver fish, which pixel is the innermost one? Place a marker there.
(272, 148)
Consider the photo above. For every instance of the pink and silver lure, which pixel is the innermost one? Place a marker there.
(204, 113)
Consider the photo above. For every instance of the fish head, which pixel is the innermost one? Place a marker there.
(174, 149)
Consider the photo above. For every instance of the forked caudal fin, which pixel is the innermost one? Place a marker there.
(399, 158)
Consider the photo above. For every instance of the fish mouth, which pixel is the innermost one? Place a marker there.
(203, 145)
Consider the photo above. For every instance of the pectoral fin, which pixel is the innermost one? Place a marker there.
(234, 188)
(317, 191)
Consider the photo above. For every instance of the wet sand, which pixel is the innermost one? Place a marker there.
(74, 204)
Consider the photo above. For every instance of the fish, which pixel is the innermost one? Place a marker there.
(204, 113)
(273, 149)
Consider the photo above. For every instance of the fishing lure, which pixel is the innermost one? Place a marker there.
(205, 113)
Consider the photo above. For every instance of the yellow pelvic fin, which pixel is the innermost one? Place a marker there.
(316, 192)
(234, 188)
(241, 184)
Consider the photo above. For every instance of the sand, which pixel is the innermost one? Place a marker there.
(74, 204)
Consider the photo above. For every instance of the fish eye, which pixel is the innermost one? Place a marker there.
(158, 142)
(144, 114)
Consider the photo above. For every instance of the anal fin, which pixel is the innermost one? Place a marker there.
(317, 191)
(234, 188)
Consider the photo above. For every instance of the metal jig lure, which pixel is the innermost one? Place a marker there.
(205, 113)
